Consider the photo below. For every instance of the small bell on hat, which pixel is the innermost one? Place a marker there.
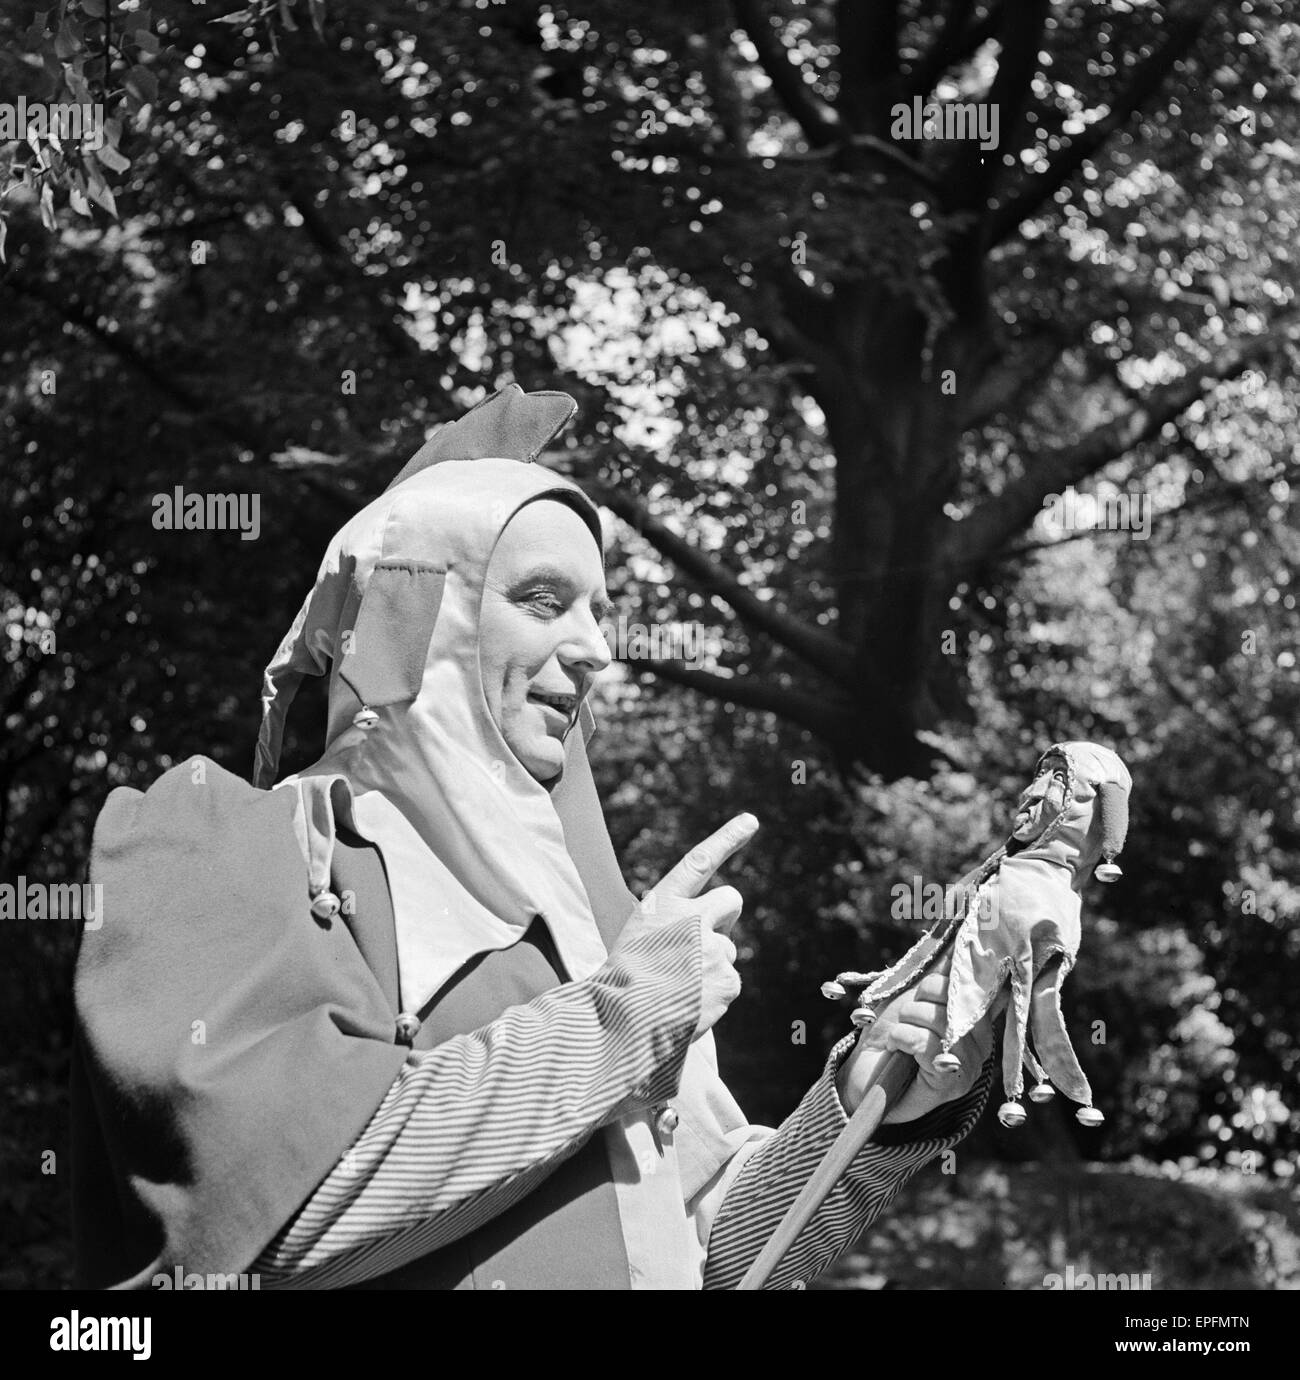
(947, 1062)
(1042, 1092)
(407, 1027)
(1113, 800)
(833, 991)
(862, 1017)
(1089, 1116)
(1011, 1114)
(365, 719)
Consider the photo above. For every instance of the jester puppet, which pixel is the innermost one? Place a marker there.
(1014, 927)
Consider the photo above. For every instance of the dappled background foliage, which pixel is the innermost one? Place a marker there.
(828, 378)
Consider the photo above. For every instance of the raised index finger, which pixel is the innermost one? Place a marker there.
(690, 875)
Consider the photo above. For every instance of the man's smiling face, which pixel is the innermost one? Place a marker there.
(540, 641)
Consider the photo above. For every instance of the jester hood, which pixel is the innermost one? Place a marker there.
(1014, 926)
(414, 760)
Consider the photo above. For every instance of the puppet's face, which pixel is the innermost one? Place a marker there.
(540, 641)
(1041, 803)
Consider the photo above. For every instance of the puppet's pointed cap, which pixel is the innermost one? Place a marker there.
(511, 425)
(1109, 778)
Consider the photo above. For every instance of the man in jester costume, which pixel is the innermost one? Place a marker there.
(1014, 929)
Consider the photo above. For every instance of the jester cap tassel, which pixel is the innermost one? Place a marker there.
(1015, 926)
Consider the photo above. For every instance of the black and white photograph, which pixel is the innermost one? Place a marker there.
(650, 647)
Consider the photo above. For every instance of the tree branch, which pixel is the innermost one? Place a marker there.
(819, 122)
(1185, 25)
(821, 650)
(868, 142)
(953, 44)
(1020, 31)
(81, 316)
(1233, 493)
(972, 543)
(809, 711)
(1020, 367)
(869, 74)
(720, 78)
(797, 318)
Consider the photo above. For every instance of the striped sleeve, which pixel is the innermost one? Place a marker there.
(472, 1126)
(774, 1169)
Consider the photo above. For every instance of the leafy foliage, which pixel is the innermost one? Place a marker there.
(314, 232)
(1000, 1227)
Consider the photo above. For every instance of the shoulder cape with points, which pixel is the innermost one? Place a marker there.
(229, 1049)
(226, 1053)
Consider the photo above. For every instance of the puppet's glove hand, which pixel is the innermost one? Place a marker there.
(913, 1023)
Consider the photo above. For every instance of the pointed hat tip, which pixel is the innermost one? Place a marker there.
(510, 424)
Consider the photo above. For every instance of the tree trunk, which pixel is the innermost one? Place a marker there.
(895, 420)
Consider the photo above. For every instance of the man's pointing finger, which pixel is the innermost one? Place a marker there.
(691, 875)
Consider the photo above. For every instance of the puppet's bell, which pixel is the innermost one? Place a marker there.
(325, 905)
(365, 719)
(863, 1017)
(1089, 1116)
(1042, 1092)
(947, 1063)
(1011, 1114)
(1107, 872)
(408, 1027)
(833, 991)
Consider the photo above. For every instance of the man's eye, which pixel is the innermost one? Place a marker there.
(545, 599)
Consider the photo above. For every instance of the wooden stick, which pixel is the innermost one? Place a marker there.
(892, 1077)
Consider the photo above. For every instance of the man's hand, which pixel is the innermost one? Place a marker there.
(677, 896)
(913, 1023)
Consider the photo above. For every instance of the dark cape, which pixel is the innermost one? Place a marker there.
(229, 1048)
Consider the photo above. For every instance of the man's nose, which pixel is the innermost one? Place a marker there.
(586, 648)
